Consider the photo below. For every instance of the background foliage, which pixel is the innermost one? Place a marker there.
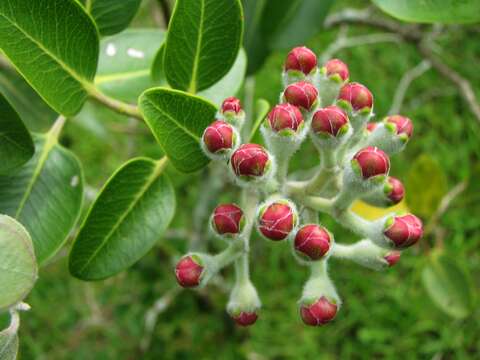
(422, 308)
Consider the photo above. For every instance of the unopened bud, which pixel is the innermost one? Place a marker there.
(285, 118)
(357, 96)
(250, 161)
(277, 219)
(312, 242)
(403, 231)
(189, 271)
(301, 94)
(218, 138)
(371, 162)
(337, 67)
(330, 121)
(231, 104)
(228, 220)
(401, 125)
(244, 303)
(319, 312)
(301, 59)
(392, 257)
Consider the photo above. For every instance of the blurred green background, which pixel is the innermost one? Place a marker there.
(387, 314)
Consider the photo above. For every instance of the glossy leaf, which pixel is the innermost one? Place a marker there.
(432, 11)
(18, 267)
(45, 195)
(16, 145)
(129, 216)
(227, 86)
(54, 45)
(112, 16)
(204, 37)
(230, 84)
(426, 185)
(35, 113)
(448, 286)
(177, 120)
(125, 62)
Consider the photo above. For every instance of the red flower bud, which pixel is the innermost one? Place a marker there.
(329, 120)
(404, 231)
(277, 221)
(337, 67)
(245, 318)
(312, 241)
(227, 219)
(285, 116)
(301, 94)
(302, 59)
(372, 162)
(392, 257)
(249, 160)
(371, 126)
(188, 271)
(319, 313)
(402, 124)
(231, 104)
(218, 136)
(394, 190)
(356, 95)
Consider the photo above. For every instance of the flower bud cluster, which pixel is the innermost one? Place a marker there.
(354, 163)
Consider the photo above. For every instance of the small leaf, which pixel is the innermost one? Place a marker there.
(230, 84)
(177, 120)
(448, 286)
(432, 11)
(33, 110)
(112, 16)
(16, 145)
(426, 185)
(157, 71)
(261, 112)
(129, 216)
(54, 45)
(204, 37)
(45, 195)
(125, 62)
(18, 267)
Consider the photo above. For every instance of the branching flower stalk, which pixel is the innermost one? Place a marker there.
(319, 104)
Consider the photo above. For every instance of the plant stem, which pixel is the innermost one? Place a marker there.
(318, 203)
(56, 128)
(114, 104)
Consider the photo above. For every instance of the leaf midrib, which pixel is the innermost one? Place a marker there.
(195, 137)
(192, 88)
(83, 82)
(49, 144)
(102, 79)
(155, 174)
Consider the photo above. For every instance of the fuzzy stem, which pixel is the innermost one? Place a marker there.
(227, 256)
(318, 203)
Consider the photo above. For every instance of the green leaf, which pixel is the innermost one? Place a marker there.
(204, 37)
(35, 113)
(16, 145)
(432, 11)
(177, 120)
(54, 45)
(112, 16)
(45, 195)
(230, 84)
(125, 62)
(227, 86)
(448, 285)
(18, 267)
(131, 213)
(426, 185)
(261, 110)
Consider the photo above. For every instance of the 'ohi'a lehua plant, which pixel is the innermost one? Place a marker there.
(321, 104)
